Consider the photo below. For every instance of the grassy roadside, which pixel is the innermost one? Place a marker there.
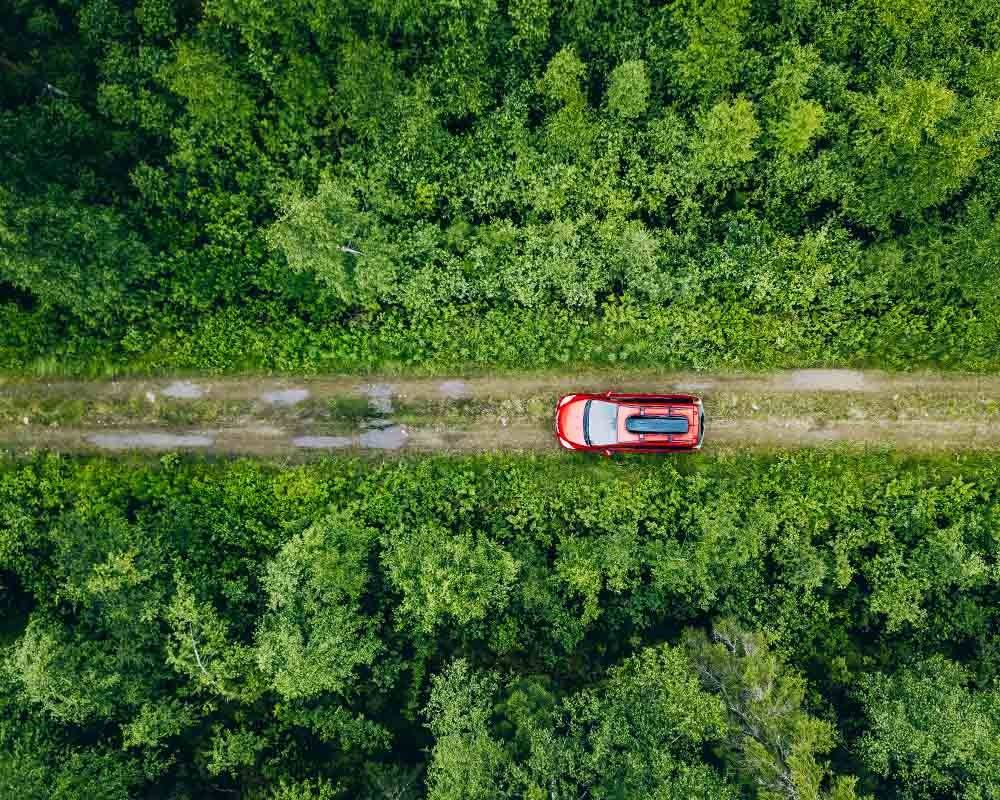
(620, 334)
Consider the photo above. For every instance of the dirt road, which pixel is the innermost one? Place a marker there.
(287, 417)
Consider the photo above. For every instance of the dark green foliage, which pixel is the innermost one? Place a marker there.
(931, 732)
(812, 626)
(770, 739)
(348, 185)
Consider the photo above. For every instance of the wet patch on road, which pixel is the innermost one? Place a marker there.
(183, 390)
(392, 437)
(285, 398)
(149, 441)
(323, 442)
(379, 396)
(454, 389)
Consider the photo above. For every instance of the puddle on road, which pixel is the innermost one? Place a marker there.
(830, 380)
(454, 390)
(322, 442)
(390, 438)
(184, 390)
(379, 396)
(285, 397)
(149, 441)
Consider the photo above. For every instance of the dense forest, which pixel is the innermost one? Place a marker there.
(441, 184)
(795, 628)
(459, 185)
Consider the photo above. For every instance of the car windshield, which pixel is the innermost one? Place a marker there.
(600, 423)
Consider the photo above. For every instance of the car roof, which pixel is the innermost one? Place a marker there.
(656, 424)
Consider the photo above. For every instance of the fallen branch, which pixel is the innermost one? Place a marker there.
(29, 74)
(197, 657)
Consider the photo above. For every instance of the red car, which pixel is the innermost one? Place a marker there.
(630, 423)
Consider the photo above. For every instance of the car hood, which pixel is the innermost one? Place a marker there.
(571, 421)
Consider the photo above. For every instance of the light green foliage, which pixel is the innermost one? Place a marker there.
(561, 82)
(925, 142)
(157, 18)
(901, 16)
(318, 235)
(803, 122)
(570, 132)
(941, 559)
(932, 731)
(156, 732)
(791, 119)
(984, 75)
(233, 751)
(774, 742)
(448, 577)
(628, 89)
(569, 129)
(467, 761)
(726, 134)
(201, 650)
(181, 180)
(314, 637)
(157, 722)
(644, 726)
(234, 623)
(72, 681)
(530, 19)
(213, 92)
(713, 52)
(304, 790)
(636, 734)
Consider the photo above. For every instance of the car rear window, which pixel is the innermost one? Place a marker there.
(600, 423)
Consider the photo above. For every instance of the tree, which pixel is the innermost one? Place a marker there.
(917, 143)
(726, 135)
(467, 762)
(214, 94)
(447, 577)
(569, 131)
(199, 648)
(73, 679)
(72, 257)
(331, 236)
(793, 120)
(628, 89)
(645, 728)
(713, 51)
(314, 636)
(530, 20)
(156, 730)
(561, 82)
(638, 732)
(772, 741)
(930, 731)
